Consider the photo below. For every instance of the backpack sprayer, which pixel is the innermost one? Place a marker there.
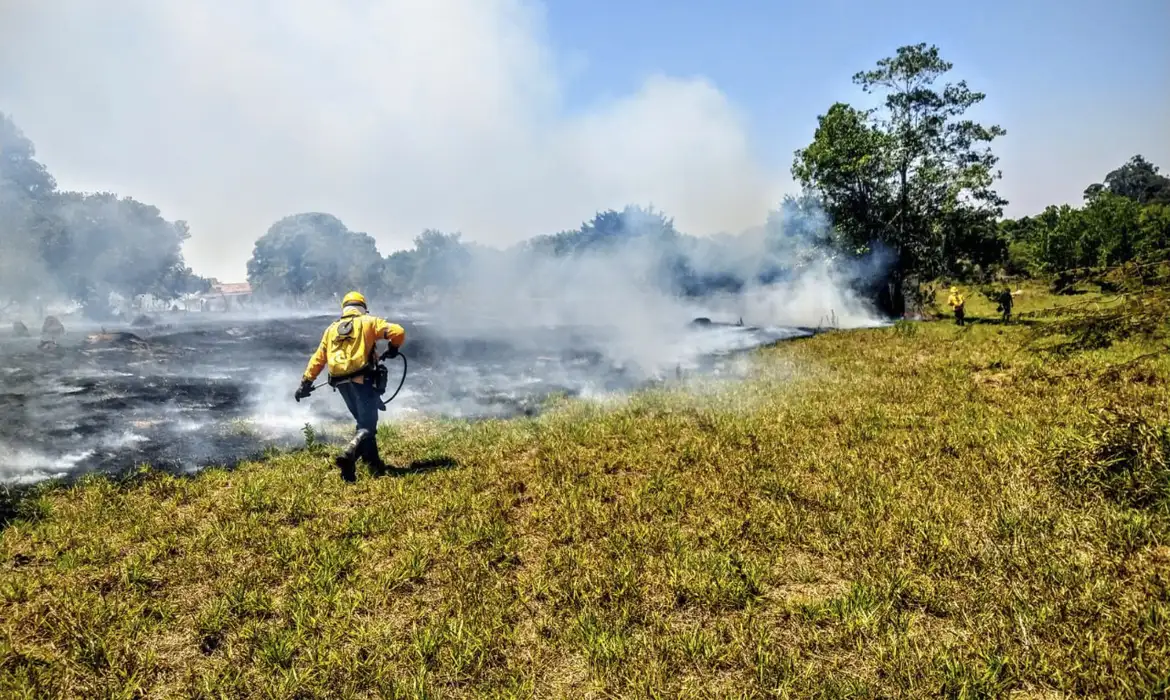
(381, 377)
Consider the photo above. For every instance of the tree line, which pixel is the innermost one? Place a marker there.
(313, 256)
(902, 186)
(1124, 218)
(907, 179)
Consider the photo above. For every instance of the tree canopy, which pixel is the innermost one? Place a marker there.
(80, 246)
(1138, 179)
(311, 256)
(912, 173)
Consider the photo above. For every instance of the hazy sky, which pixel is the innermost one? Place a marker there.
(509, 118)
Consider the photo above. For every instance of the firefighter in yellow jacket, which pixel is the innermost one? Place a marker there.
(348, 349)
(957, 302)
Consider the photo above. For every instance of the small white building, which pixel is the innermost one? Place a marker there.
(223, 296)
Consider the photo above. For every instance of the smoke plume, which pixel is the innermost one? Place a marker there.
(395, 115)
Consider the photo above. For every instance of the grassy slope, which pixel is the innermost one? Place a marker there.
(876, 513)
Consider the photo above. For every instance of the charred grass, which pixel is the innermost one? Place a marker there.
(917, 511)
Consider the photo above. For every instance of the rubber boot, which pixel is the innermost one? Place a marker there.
(373, 459)
(347, 466)
(347, 460)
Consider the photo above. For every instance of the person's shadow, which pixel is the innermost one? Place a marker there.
(422, 466)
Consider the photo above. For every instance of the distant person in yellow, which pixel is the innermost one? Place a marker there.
(956, 302)
(348, 349)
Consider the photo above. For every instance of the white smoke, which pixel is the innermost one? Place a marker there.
(396, 115)
(622, 299)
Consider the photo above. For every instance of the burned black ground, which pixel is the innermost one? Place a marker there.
(191, 392)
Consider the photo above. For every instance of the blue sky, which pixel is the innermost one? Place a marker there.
(1080, 86)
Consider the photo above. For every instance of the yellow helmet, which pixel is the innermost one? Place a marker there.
(353, 298)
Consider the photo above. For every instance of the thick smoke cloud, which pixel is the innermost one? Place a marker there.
(630, 286)
(395, 115)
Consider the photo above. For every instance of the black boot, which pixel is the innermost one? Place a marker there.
(347, 460)
(373, 459)
(347, 466)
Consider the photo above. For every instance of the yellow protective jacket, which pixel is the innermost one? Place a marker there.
(955, 300)
(348, 344)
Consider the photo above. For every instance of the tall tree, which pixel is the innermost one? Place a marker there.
(1138, 179)
(313, 256)
(441, 260)
(80, 246)
(111, 244)
(913, 173)
(26, 225)
(19, 169)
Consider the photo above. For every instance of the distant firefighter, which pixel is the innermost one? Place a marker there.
(1005, 305)
(956, 302)
(52, 328)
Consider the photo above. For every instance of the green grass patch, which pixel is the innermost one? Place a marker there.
(921, 510)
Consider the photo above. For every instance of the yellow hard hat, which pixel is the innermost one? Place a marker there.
(353, 298)
(954, 290)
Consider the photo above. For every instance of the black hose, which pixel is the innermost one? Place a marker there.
(400, 383)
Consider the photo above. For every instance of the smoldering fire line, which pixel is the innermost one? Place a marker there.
(211, 391)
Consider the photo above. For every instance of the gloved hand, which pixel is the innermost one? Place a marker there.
(304, 390)
(391, 350)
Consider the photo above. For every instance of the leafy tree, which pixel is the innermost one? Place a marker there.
(398, 272)
(314, 257)
(20, 172)
(441, 260)
(1153, 231)
(607, 230)
(110, 244)
(800, 220)
(848, 166)
(26, 191)
(912, 174)
(1025, 240)
(83, 246)
(1138, 179)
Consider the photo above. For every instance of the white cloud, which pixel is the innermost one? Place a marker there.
(395, 115)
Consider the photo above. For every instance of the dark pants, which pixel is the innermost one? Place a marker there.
(959, 316)
(362, 401)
